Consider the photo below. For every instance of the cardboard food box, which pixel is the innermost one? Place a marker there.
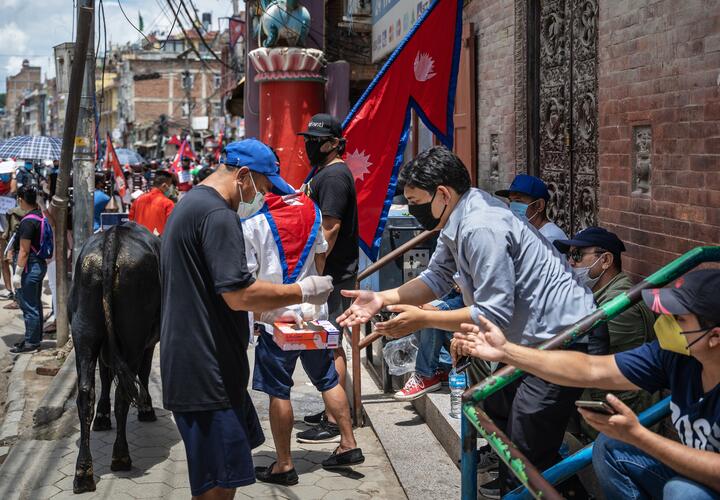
(318, 334)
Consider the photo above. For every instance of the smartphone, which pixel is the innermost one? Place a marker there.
(596, 406)
(462, 364)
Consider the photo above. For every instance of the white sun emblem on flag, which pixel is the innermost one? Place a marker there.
(359, 164)
(424, 67)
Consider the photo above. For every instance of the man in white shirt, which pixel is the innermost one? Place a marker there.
(528, 197)
(284, 243)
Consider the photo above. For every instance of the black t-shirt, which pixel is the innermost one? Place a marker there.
(333, 189)
(29, 229)
(203, 343)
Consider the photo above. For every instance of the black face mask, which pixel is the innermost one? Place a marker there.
(316, 157)
(423, 213)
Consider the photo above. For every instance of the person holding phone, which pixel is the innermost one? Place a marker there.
(633, 461)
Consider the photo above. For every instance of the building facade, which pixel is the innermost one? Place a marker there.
(615, 104)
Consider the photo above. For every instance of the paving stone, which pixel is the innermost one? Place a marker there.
(149, 490)
(337, 483)
(155, 476)
(308, 492)
(345, 495)
(151, 452)
(44, 492)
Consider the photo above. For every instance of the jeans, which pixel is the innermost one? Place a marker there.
(29, 298)
(629, 473)
(431, 353)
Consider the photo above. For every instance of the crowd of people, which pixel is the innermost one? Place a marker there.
(241, 250)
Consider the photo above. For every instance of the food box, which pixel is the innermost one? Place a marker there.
(318, 334)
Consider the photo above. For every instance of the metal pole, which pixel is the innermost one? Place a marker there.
(60, 199)
(84, 161)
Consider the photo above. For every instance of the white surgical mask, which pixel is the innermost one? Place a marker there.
(245, 210)
(582, 275)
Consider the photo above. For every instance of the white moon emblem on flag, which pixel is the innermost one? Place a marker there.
(359, 164)
(424, 67)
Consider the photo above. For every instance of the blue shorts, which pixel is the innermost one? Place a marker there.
(274, 368)
(218, 446)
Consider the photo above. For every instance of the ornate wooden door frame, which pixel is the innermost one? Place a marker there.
(556, 104)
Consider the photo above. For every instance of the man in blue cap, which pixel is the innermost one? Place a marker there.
(595, 257)
(528, 197)
(204, 330)
(633, 461)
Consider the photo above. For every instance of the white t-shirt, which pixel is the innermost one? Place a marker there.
(263, 258)
(552, 232)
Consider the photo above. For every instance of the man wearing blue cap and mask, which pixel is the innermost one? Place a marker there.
(207, 290)
(528, 197)
(595, 257)
(633, 461)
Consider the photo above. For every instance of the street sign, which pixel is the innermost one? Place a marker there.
(108, 220)
(391, 21)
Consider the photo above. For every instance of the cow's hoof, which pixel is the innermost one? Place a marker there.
(83, 484)
(102, 423)
(121, 464)
(147, 416)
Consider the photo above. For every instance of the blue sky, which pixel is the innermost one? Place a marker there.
(30, 28)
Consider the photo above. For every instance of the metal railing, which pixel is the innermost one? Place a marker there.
(476, 420)
(355, 341)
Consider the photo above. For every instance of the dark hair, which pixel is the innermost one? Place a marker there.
(204, 174)
(435, 167)
(161, 177)
(99, 179)
(28, 193)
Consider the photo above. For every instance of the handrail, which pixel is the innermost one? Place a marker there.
(476, 394)
(387, 259)
(357, 344)
(582, 458)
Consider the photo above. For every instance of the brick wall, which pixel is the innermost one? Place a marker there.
(494, 27)
(659, 66)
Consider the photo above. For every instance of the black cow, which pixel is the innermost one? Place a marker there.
(114, 311)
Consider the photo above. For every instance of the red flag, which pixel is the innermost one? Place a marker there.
(112, 162)
(219, 148)
(185, 151)
(237, 29)
(295, 224)
(420, 74)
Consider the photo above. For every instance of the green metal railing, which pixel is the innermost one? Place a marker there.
(526, 473)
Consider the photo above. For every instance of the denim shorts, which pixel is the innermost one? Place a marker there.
(274, 368)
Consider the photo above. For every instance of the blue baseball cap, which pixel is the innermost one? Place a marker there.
(259, 158)
(526, 184)
(592, 237)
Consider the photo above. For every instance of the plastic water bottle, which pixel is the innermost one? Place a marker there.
(458, 383)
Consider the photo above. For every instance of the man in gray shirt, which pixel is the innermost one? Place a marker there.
(507, 272)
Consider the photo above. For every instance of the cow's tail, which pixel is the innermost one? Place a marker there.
(127, 382)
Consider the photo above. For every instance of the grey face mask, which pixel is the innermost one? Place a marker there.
(582, 275)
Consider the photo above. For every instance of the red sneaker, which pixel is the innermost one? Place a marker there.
(416, 386)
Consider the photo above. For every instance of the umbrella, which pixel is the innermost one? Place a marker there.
(31, 147)
(128, 156)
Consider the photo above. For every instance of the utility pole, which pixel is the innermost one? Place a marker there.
(72, 138)
(236, 7)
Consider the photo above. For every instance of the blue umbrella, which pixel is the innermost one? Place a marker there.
(128, 156)
(31, 147)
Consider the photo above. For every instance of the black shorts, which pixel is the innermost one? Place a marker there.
(218, 446)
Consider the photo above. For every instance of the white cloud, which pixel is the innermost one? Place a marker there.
(30, 28)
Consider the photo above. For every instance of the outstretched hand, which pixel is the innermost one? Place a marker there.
(484, 340)
(409, 319)
(366, 305)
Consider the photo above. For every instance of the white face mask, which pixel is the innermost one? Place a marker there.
(582, 275)
(245, 210)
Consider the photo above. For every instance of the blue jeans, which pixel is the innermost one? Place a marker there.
(431, 353)
(29, 298)
(629, 473)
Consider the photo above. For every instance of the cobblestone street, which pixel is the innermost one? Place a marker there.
(160, 467)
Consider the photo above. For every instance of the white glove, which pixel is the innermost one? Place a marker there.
(316, 289)
(17, 278)
(282, 315)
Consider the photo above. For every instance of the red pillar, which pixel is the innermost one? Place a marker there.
(291, 92)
